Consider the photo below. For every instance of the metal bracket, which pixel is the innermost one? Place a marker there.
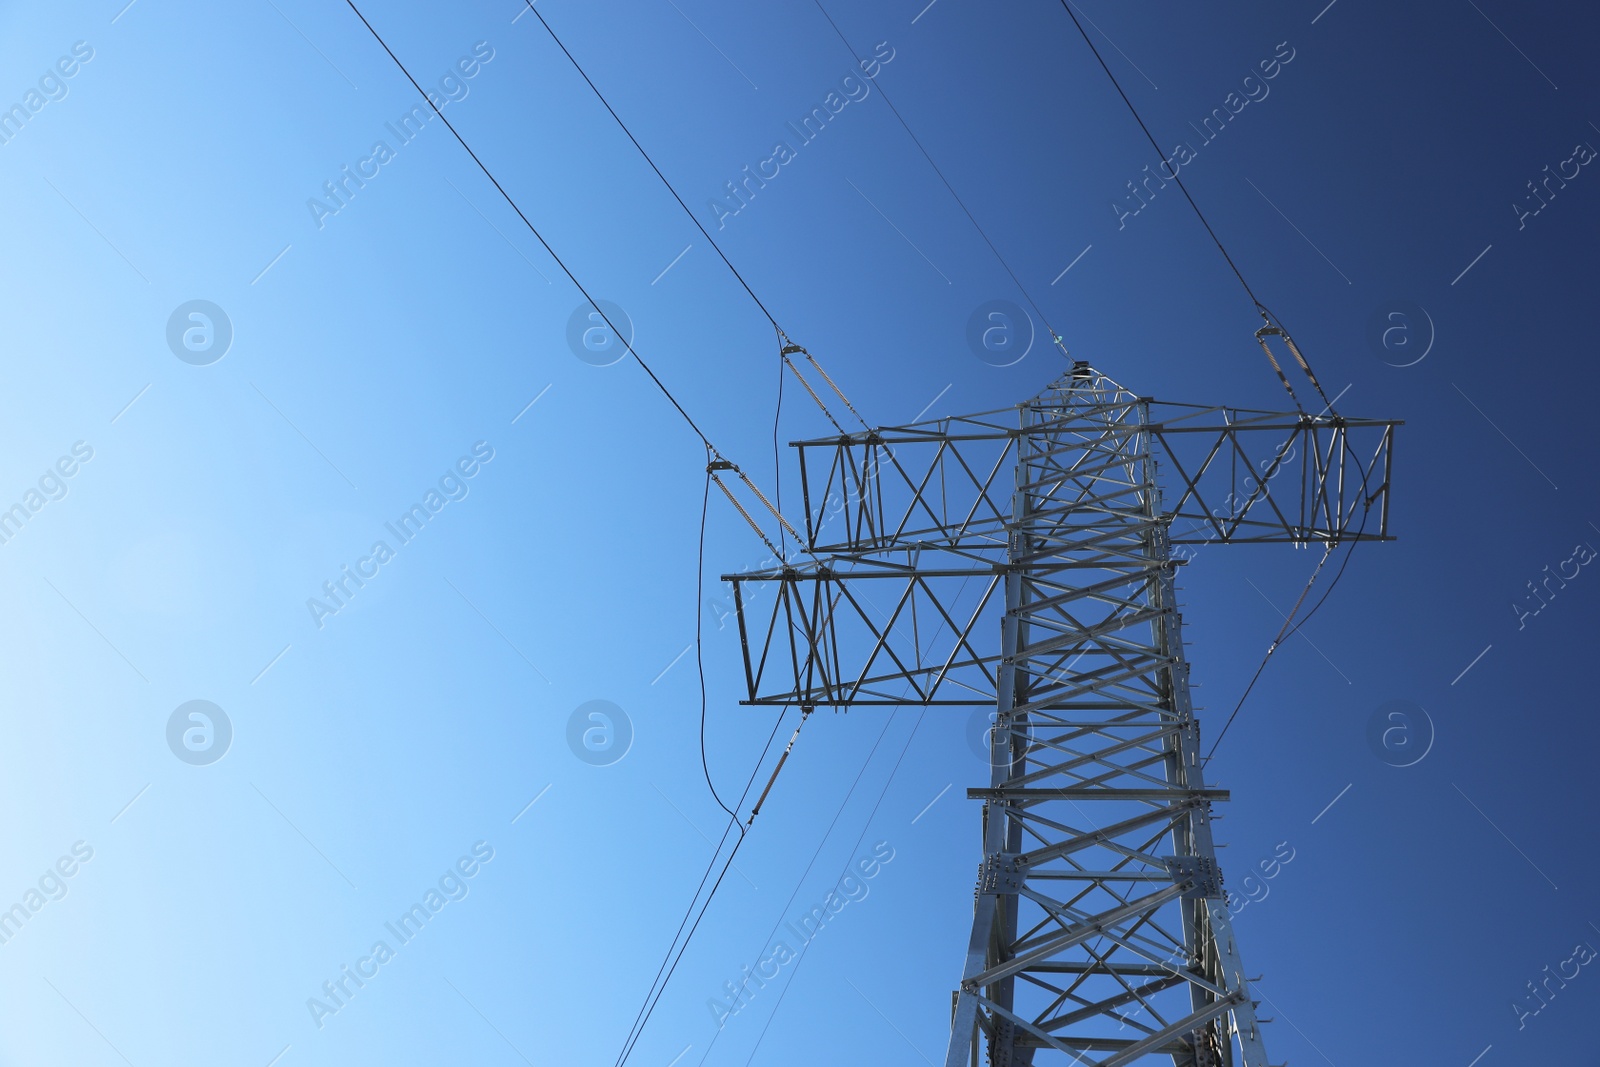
(1202, 874)
(1000, 873)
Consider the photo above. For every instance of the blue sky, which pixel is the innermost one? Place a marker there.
(1385, 165)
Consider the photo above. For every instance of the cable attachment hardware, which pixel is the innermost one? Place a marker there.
(805, 713)
(789, 348)
(1273, 329)
(1269, 330)
(720, 464)
(801, 378)
(716, 464)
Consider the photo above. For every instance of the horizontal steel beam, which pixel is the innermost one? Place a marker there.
(1095, 793)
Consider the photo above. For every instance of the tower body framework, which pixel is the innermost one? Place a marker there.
(1101, 932)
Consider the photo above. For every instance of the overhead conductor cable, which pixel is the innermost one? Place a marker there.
(783, 338)
(658, 986)
(1023, 289)
(573, 278)
(1273, 325)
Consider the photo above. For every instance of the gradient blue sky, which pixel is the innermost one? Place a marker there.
(372, 352)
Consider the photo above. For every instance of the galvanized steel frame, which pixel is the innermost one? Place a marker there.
(1088, 939)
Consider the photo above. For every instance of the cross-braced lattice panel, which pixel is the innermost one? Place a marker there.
(872, 632)
(908, 613)
(1244, 476)
(947, 482)
(1231, 474)
(1101, 957)
(876, 494)
(1112, 956)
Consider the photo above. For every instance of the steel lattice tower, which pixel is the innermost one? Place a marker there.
(1100, 927)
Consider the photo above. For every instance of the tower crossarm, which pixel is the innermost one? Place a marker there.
(1233, 474)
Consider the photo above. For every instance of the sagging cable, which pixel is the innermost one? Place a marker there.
(1284, 632)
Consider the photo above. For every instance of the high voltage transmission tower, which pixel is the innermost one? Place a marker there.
(1100, 926)
(1099, 901)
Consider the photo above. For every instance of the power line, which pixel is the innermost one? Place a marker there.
(957, 196)
(1148, 136)
(719, 463)
(843, 871)
(648, 1006)
(1331, 585)
(1366, 513)
(817, 852)
(1274, 324)
(624, 127)
(626, 343)
(786, 345)
(659, 987)
(658, 984)
(1286, 631)
(835, 821)
(699, 660)
(1283, 634)
(777, 412)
